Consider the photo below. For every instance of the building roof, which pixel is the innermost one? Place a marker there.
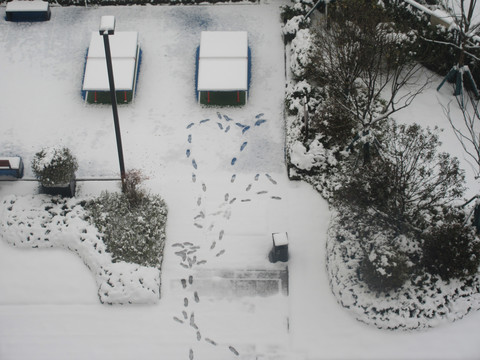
(27, 6)
(123, 46)
(223, 61)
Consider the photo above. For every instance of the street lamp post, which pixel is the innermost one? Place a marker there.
(107, 27)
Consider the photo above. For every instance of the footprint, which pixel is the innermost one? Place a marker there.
(220, 253)
(188, 153)
(190, 125)
(271, 179)
(204, 121)
(243, 146)
(194, 164)
(227, 196)
(259, 115)
(204, 187)
(256, 177)
(198, 226)
(185, 302)
(201, 262)
(201, 215)
(190, 279)
(178, 245)
(178, 320)
(248, 187)
(233, 200)
(234, 176)
(234, 160)
(276, 198)
(245, 129)
(187, 244)
(189, 139)
(210, 341)
(227, 128)
(184, 283)
(262, 192)
(199, 336)
(192, 321)
(185, 315)
(195, 295)
(199, 201)
(219, 115)
(220, 126)
(246, 200)
(260, 122)
(194, 177)
(233, 350)
(227, 118)
(184, 266)
(240, 125)
(220, 236)
(213, 245)
(190, 355)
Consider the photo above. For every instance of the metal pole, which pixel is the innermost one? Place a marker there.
(113, 97)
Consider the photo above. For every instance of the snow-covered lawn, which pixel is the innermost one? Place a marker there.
(222, 175)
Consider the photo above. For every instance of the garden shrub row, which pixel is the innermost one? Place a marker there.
(384, 240)
(143, 2)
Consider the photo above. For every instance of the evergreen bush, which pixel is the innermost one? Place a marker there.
(451, 251)
(384, 268)
(54, 166)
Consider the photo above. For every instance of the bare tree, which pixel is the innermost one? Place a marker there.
(468, 130)
(462, 12)
(369, 64)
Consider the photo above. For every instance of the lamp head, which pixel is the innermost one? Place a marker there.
(107, 25)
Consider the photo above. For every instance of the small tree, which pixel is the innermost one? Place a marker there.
(410, 182)
(369, 65)
(54, 167)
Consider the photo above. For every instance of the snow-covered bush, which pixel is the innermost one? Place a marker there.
(451, 251)
(133, 233)
(54, 166)
(315, 157)
(301, 53)
(384, 268)
(41, 221)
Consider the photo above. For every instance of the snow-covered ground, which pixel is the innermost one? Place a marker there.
(227, 191)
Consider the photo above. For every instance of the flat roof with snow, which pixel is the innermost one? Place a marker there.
(223, 61)
(124, 49)
(27, 6)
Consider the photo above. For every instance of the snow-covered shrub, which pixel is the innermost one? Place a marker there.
(295, 94)
(316, 156)
(451, 251)
(133, 233)
(41, 221)
(54, 166)
(301, 53)
(384, 268)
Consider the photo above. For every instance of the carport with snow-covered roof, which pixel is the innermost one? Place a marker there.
(223, 68)
(125, 60)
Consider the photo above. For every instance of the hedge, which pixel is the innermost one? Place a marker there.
(142, 2)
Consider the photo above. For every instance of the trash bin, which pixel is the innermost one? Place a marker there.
(280, 247)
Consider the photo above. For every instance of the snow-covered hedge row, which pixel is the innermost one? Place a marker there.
(41, 221)
(144, 2)
(406, 308)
